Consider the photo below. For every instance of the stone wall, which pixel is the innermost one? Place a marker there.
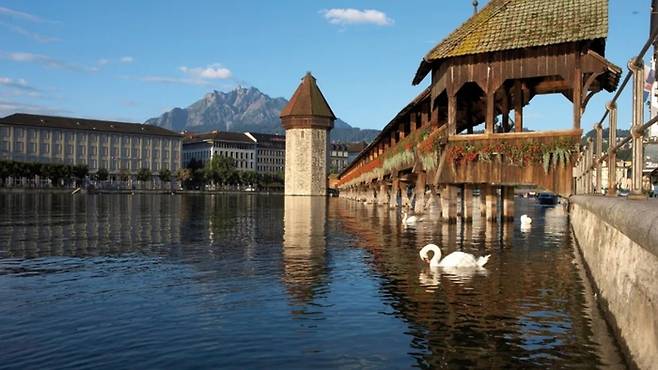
(306, 161)
(618, 239)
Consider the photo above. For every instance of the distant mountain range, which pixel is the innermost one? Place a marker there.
(244, 109)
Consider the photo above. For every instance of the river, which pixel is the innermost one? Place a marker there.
(258, 281)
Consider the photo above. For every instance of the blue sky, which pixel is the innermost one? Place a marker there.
(132, 60)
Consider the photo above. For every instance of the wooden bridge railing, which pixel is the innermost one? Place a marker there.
(588, 172)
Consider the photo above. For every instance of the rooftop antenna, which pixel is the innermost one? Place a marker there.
(475, 7)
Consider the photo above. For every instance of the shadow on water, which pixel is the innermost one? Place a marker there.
(255, 281)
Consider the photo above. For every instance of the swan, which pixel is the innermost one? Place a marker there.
(410, 220)
(525, 220)
(454, 259)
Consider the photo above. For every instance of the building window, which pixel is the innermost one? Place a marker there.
(31, 148)
(45, 148)
(69, 149)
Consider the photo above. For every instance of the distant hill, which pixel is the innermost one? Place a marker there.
(244, 109)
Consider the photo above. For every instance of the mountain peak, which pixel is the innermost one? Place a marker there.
(242, 109)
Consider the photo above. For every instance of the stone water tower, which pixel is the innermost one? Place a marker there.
(307, 120)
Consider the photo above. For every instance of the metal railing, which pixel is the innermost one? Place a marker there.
(591, 157)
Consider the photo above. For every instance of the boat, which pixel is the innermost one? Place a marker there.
(547, 198)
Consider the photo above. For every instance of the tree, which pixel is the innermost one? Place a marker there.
(102, 174)
(144, 174)
(164, 175)
(183, 175)
(80, 171)
(124, 174)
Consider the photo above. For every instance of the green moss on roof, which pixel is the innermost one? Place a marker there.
(514, 24)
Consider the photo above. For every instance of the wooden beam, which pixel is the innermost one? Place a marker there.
(518, 106)
(577, 92)
(452, 114)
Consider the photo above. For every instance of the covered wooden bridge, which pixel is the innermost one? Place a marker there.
(486, 72)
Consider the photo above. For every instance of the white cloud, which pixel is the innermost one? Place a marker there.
(21, 15)
(347, 16)
(212, 72)
(127, 59)
(8, 107)
(23, 57)
(102, 62)
(174, 80)
(33, 35)
(17, 83)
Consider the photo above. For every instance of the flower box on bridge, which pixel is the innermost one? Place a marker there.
(526, 158)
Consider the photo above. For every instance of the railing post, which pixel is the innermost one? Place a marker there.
(599, 150)
(588, 166)
(638, 121)
(612, 155)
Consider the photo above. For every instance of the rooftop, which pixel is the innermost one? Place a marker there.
(34, 120)
(308, 101)
(236, 137)
(516, 24)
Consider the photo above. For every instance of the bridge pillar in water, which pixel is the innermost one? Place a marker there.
(419, 206)
(507, 194)
(482, 201)
(491, 205)
(404, 188)
(449, 204)
(393, 195)
(383, 197)
(467, 203)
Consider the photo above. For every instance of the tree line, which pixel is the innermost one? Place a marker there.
(221, 173)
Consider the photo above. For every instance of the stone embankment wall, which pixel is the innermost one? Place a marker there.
(618, 239)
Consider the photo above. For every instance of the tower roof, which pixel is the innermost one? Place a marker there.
(515, 24)
(308, 101)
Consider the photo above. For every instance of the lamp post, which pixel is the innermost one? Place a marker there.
(475, 7)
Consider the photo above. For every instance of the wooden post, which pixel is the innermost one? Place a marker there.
(393, 195)
(449, 204)
(421, 179)
(508, 203)
(638, 121)
(588, 166)
(404, 191)
(489, 120)
(467, 203)
(505, 110)
(452, 114)
(612, 155)
(577, 92)
(492, 204)
(599, 150)
(483, 199)
(518, 106)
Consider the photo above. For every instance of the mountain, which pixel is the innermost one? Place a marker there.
(243, 109)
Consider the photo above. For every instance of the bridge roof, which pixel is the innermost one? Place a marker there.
(515, 24)
(308, 101)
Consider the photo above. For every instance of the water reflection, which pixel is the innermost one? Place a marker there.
(304, 246)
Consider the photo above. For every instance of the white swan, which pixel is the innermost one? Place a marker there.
(409, 220)
(454, 259)
(525, 220)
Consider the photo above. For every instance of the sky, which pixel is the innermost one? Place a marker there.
(132, 60)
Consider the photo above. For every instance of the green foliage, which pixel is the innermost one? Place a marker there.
(144, 174)
(183, 175)
(124, 174)
(429, 161)
(80, 171)
(164, 175)
(102, 174)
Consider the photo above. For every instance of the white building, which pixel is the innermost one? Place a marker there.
(270, 153)
(114, 146)
(236, 145)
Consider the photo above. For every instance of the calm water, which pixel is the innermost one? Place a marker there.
(251, 281)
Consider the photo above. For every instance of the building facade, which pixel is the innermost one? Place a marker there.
(236, 145)
(270, 153)
(114, 146)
